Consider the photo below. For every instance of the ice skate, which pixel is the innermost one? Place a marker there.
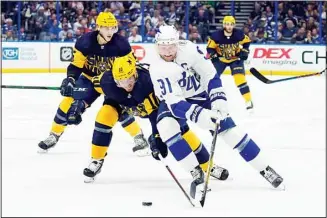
(141, 147)
(272, 177)
(198, 179)
(219, 172)
(249, 107)
(92, 170)
(48, 143)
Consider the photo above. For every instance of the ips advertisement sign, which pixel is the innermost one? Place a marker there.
(10, 53)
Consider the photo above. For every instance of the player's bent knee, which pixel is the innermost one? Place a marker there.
(168, 127)
(65, 104)
(107, 115)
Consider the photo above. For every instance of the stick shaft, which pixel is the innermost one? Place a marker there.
(30, 87)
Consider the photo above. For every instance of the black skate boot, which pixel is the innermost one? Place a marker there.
(271, 176)
(92, 170)
(198, 178)
(141, 147)
(48, 143)
(219, 172)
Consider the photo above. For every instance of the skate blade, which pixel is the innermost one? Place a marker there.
(142, 153)
(42, 151)
(89, 179)
(250, 112)
(281, 187)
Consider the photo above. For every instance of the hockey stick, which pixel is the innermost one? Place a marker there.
(263, 79)
(30, 87)
(174, 177)
(212, 152)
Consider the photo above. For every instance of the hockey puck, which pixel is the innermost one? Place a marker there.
(146, 203)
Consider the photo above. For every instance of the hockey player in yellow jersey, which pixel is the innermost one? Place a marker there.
(94, 54)
(229, 47)
(128, 86)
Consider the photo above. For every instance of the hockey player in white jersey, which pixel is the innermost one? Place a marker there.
(189, 89)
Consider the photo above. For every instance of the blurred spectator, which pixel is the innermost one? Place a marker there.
(246, 30)
(8, 26)
(314, 35)
(299, 36)
(55, 30)
(122, 32)
(311, 24)
(182, 34)
(78, 24)
(134, 37)
(64, 22)
(22, 34)
(290, 16)
(172, 15)
(290, 29)
(37, 19)
(78, 33)
(195, 37)
(69, 37)
(309, 10)
(155, 18)
(10, 36)
(257, 11)
(150, 36)
(64, 33)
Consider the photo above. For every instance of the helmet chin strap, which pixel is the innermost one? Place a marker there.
(102, 38)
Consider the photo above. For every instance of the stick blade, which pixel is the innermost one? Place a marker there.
(202, 202)
(259, 76)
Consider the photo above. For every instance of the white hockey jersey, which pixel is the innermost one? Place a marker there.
(189, 76)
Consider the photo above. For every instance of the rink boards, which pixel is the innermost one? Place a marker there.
(52, 57)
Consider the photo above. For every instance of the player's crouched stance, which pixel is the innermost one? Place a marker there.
(189, 88)
(127, 87)
(94, 53)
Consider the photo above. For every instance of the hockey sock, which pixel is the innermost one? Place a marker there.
(246, 147)
(200, 151)
(242, 85)
(102, 134)
(60, 122)
(170, 133)
(130, 125)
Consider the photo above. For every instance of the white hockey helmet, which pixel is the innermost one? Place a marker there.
(167, 35)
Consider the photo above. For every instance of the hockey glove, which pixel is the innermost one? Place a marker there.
(204, 118)
(157, 146)
(67, 87)
(219, 102)
(214, 57)
(74, 114)
(244, 54)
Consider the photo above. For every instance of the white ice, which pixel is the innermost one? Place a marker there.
(288, 124)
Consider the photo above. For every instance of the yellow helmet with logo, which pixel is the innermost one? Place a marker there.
(124, 67)
(229, 19)
(106, 19)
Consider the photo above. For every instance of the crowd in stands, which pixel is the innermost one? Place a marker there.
(40, 20)
(298, 22)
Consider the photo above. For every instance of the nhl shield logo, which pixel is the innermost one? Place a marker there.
(66, 53)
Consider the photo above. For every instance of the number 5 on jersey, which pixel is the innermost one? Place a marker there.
(165, 86)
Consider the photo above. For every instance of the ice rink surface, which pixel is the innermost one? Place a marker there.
(289, 125)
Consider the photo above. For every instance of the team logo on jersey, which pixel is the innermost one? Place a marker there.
(10, 53)
(66, 53)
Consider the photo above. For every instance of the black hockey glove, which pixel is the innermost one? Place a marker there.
(67, 87)
(244, 54)
(157, 146)
(214, 57)
(74, 114)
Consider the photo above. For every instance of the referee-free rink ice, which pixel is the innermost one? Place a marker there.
(288, 125)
